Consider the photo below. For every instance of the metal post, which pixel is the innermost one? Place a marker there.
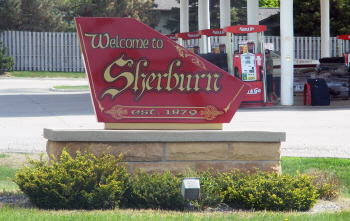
(325, 32)
(184, 14)
(203, 23)
(287, 52)
(225, 17)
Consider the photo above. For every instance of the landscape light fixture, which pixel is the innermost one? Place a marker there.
(190, 189)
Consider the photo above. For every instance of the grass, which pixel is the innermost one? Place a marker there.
(3, 155)
(65, 87)
(5, 183)
(338, 166)
(45, 74)
(341, 167)
(150, 215)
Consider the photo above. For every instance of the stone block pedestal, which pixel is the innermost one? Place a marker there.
(157, 150)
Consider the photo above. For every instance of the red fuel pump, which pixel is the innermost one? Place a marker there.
(249, 65)
(345, 54)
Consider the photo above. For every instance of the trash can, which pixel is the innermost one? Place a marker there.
(319, 92)
(277, 83)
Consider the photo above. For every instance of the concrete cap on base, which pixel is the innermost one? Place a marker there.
(162, 135)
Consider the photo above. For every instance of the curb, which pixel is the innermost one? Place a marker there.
(68, 90)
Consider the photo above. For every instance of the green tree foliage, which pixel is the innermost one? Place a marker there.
(307, 18)
(269, 3)
(31, 15)
(139, 9)
(58, 15)
(6, 62)
(238, 15)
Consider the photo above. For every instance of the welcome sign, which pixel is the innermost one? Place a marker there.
(138, 75)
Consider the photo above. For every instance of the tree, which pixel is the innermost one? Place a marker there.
(31, 15)
(10, 15)
(139, 9)
(6, 62)
(307, 18)
(269, 3)
(238, 15)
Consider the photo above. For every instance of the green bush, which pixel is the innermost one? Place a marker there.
(268, 191)
(155, 191)
(209, 190)
(86, 182)
(6, 62)
(90, 182)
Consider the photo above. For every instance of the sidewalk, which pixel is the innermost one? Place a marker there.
(336, 102)
(311, 131)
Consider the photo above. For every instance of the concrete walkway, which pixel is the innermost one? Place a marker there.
(312, 131)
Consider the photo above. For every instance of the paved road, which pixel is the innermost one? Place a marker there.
(27, 106)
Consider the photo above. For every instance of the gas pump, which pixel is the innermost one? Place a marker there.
(185, 36)
(340, 49)
(247, 63)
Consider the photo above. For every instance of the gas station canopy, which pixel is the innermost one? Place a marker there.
(188, 35)
(244, 29)
(213, 32)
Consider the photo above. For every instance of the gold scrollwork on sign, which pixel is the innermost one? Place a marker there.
(117, 112)
(228, 106)
(211, 112)
(183, 53)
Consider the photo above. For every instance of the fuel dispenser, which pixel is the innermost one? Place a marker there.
(247, 63)
(340, 48)
(184, 37)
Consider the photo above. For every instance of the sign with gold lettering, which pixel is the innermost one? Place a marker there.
(138, 75)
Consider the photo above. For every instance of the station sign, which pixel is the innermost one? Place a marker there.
(172, 37)
(213, 32)
(244, 29)
(137, 75)
(343, 37)
(188, 35)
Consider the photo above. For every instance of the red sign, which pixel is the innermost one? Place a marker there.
(243, 29)
(138, 75)
(188, 35)
(343, 37)
(172, 37)
(255, 92)
(213, 32)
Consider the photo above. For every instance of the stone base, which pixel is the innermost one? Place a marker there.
(156, 151)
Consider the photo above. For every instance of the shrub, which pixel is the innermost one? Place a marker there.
(268, 191)
(209, 190)
(327, 183)
(154, 191)
(86, 182)
(6, 62)
(163, 191)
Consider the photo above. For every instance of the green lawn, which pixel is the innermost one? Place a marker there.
(338, 166)
(150, 215)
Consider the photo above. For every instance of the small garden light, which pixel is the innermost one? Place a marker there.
(190, 189)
